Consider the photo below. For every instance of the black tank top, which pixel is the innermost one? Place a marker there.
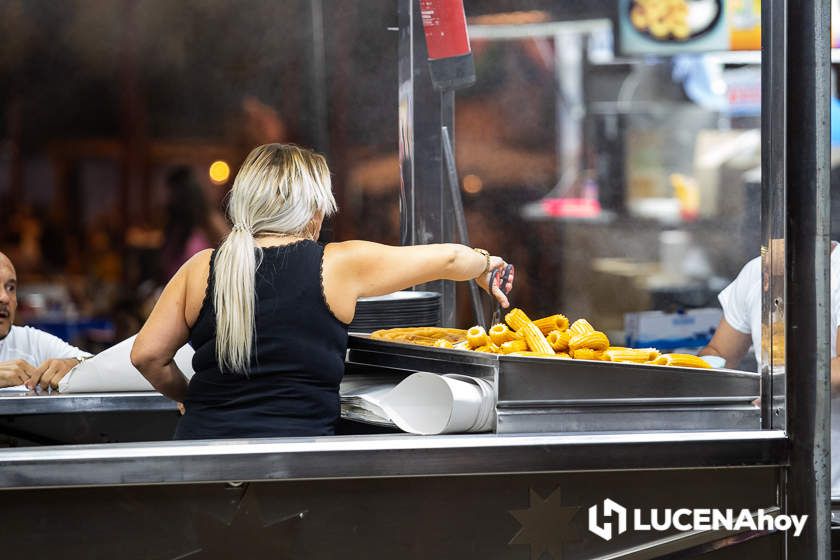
(297, 359)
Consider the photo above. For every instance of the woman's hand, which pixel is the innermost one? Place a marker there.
(497, 263)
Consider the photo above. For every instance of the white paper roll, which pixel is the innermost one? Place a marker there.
(426, 403)
(111, 371)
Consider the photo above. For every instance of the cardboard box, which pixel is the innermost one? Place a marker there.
(618, 287)
(691, 329)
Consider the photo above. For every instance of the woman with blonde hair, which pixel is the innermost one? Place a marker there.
(267, 313)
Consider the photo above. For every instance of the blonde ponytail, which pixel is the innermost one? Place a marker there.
(233, 300)
(280, 189)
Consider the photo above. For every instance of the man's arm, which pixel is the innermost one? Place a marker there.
(728, 343)
(56, 358)
(51, 371)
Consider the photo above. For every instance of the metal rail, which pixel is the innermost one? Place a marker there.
(27, 404)
(385, 456)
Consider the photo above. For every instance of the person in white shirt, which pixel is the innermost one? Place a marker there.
(741, 327)
(29, 356)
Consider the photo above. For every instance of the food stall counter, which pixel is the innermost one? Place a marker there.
(387, 496)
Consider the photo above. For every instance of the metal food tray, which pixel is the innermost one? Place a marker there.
(550, 395)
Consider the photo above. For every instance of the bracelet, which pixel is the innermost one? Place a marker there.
(486, 255)
(79, 361)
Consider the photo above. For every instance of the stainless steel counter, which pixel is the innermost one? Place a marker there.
(381, 456)
(15, 404)
(81, 418)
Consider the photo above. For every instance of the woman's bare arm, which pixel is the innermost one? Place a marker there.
(168, 328)
(355, 269)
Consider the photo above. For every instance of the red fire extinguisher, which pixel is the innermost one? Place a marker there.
(450, 58)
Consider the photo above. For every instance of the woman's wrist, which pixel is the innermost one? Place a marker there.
(486, 256)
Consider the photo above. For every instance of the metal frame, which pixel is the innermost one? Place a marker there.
(773, 134)
(807, 266)
(454, 187)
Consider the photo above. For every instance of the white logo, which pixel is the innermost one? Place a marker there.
(610, 508)
(684, 519)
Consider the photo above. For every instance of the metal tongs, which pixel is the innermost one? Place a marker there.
(504, 278)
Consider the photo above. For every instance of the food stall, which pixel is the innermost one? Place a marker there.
(576, 445)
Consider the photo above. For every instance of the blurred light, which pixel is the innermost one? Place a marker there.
(512, 18)
(473, 184)
(582, 208)
(219, 172)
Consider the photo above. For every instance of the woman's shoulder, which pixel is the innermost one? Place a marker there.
(356, 254)
(199, 262)
(751, 272)
(338, 250)
(196, 279)
(353, 247)
(346, 245)
(197, 270)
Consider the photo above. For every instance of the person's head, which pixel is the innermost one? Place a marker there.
(186, 209)
(184, 196)
(280, 189)
(8, 295)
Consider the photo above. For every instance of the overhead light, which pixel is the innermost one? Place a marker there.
(473, 184)
(219, 172)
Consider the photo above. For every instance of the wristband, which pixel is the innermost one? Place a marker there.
(486, 255)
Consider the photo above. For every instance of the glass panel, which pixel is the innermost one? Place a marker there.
(122, 125)
(112, 115)
(621, 173)
(613, 156)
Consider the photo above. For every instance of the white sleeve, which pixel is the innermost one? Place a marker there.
(734, 299)
(835, 311)
(835, 319)
(47, 347)
(835, 298)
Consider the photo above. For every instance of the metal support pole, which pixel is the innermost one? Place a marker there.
(447, 217)
(460, 217)
(422, 111)
(807, 266)
(773, 135)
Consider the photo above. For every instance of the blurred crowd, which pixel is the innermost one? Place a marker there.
(99, 289)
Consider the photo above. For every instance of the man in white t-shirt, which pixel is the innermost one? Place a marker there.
(29, 356)
(741, 327)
